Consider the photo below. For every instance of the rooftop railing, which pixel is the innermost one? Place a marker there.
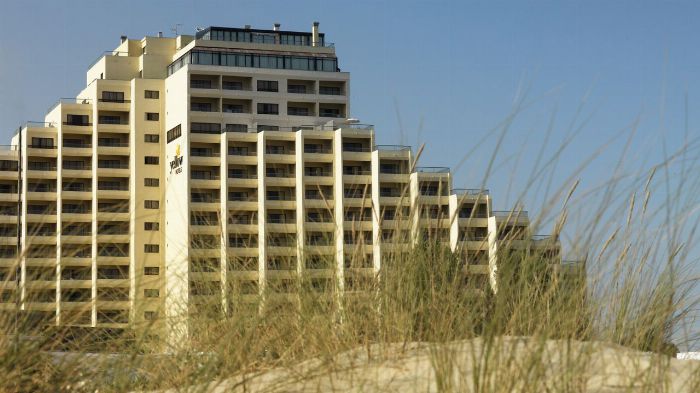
(76, 100)
(393, 147)
(510, 213)
(471, 191)
(433, 169)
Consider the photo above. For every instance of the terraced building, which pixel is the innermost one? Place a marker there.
(213, 169)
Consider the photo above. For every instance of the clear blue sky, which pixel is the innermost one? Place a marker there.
(440, 72)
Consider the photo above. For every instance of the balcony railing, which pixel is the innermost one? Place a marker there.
(279, 197)
(114, 100)
(113, 187)
(239, 175)
(242, 198)
(357, 149)
(111, 121)
(113, 165)
(317, 150)
(318, 173)
(241, 152)
(204, 153)
(77, 145)
(34, 166)
(471, 191)
(393, 147)
(204, 175)
(107, 143)
(510, 213)
(77, 123)
(433, 169)
(271, 150)
(357, 172)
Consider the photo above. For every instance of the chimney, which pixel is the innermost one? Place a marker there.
(160, 34)
(314, 34)
(123, 38)
(276, 27)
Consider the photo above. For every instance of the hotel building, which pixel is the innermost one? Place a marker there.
(214, 169)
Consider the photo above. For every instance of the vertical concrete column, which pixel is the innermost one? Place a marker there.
(223, 220)
(299, 189)
(262, 215)
(376, 213)
(338, 188)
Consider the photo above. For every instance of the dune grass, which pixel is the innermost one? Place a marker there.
(634, 290)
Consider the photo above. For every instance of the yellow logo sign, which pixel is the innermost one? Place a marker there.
(176, 163)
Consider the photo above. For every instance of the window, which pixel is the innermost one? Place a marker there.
(151, 226)
(174, 133)
(150, 315)
(42, 143)
(151, 271)
(236, 128)
(151, 293)
(232, 85)
(151, 138)
(264, 127)
(151, 160)
(268, 109)
(151, 248)
(205, 128)
(112, 96)
(152, 116)
(268, 85)
(151, 182)
(149, 204)
(152, 94)
(233, 108)
(330, 90)
(77, 120)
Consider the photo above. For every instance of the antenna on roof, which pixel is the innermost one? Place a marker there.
(174, 28)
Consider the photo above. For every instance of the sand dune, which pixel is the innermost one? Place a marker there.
(510, 364)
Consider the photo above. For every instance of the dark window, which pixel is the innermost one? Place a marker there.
(236, 128)
(205, 128)
(268, 86)
(174, 133)
(151, 248)
(150, 315)
(200, 84)
(233, 108)
(330, 90)
(151, 182)
(152, 94)
(151, 271)
(77, 120)
(152, 116)
(8, 165)
(151, 138)
(268, 109)
(112, 96)
(232, 85)
(151, 293)
(151, 160)
(149, 204)
(264, 127)
(151, 226)
(42, 143)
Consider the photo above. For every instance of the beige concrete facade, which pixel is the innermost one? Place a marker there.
(201, 173)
